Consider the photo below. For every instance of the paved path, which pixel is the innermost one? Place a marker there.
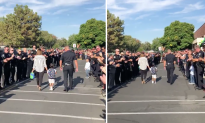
(23, 103)
(157, 103)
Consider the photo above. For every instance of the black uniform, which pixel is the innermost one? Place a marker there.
(6, 68)
(170, 58)
(29, 64)
(24, 72)
(111, 74)
(13, 68)
(19, 64)
(118, 70)
(199, 70)
(1, 64)
(67, 59)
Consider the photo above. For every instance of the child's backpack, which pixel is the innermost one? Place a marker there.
(154, 70)
(51, 73)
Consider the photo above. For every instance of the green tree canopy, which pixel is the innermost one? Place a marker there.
(155, 44)
(72, 39)
(146, 46)
(115, 31)
(46, 39)
(21, 28)
(178, 36)
(91, 34)
(131, 44)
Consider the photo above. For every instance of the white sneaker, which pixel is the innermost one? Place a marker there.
(51, 89)
(152, 82)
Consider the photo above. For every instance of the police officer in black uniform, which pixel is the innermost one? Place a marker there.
(1, 64)
(117, 60)
(169, 62)
(24, 58)
(19, 64)
(29, 63)
(12, 65)
(6, 57)
(199, 67)
(66, 60)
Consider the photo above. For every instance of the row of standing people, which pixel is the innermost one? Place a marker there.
(192, 63)
(20, 63)
(124, 67)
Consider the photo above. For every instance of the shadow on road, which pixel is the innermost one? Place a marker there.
(77, 80)
(4, 92)
(175, 77)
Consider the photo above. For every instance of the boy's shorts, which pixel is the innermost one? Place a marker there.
(51, 80)
(154, 76)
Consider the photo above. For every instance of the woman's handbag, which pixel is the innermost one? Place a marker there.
(32, 76)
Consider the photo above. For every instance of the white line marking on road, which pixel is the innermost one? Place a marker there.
(60, 86)
(136, 113)
(50, 101)
(144, 101)
(97, 95)
(50, 115)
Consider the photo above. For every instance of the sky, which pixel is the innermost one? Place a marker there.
(61, 18)
(146, 19)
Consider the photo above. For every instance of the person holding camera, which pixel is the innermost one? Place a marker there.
(66, 60)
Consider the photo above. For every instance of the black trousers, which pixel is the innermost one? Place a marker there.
(117, 76)
(13, 70)
(24, 72)
(29, 68)
(68, 71)
(6, 75)
(111, 80)
(19, 71)
(199, 75)
(143, 74)
(39, 78)
(0, 74)
(170, 73)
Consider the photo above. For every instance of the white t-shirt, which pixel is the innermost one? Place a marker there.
(191, 70)
(87, 66)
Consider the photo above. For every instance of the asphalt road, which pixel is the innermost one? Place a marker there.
(157, 103)
(24, 103)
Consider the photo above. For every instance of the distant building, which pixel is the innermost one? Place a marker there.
(199, 35)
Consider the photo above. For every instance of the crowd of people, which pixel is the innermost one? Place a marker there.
(125, 67)
(16, 64)
(96, 58)
(192, 63)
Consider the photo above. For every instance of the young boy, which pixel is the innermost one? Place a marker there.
(192, 79)
(87, 68)
(51, 76)
(153, 70)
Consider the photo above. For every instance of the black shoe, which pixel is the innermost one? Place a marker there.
(65, 90)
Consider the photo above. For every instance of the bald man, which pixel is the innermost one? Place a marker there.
(66, 60)
(169, 62)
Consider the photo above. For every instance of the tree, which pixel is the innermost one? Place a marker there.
(22, 28)
(91, 34)
(72, 39)
(62, 42)
(146, 46)
(115, 31)
(131, 44)
(46, 39)
(155, 44)
(178, 36)
(140, 49)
